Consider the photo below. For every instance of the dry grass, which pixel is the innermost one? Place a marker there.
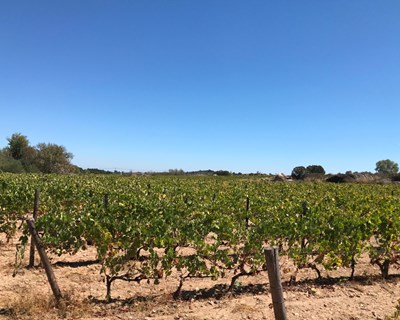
(34, 307)
(396, 314)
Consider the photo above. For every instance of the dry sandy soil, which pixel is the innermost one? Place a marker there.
(28, 295)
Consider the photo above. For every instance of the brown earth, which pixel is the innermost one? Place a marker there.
(28, 295)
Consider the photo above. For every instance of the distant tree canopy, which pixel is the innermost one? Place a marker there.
(176, 172)
(17, 146)
(301, 172)
(387, 167)
(315, 169)
(18, 157)
(9, 164)
(52, 158)
(96, 171)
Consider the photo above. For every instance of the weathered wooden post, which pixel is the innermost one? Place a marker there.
(35, 212)
(45, 260)
(106, 200)
(275, 284)
(247, 211)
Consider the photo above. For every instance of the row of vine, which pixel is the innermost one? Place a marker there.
(147, 227)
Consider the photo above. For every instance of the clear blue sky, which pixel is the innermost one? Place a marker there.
(204, 84)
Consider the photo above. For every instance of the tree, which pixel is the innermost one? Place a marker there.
(29, 159)
(9, 164)
(315, 169)
(176, 172)
(22, 154)
(299, 173)
(387, 167)
(17, 145)
(19, 156)
(52, 158)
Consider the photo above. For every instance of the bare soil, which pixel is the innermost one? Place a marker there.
(28, 294)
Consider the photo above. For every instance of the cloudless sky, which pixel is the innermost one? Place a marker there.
(245, 86)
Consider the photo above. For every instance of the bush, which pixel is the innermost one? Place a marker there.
(10, 165)
(315, 169)
(298, 173)
(396, 177)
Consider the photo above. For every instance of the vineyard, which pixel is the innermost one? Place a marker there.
(145, 228)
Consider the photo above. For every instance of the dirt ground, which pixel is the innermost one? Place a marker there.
(28, 294)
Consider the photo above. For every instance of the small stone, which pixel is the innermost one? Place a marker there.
(314, 291)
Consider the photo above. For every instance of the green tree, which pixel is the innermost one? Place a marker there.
(53, 158)
(315, 169)
(9, 164)
(29, 159)
(17, 145)
(299, 173)
(387, 167)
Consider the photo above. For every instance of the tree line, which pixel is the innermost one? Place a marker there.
(384, 169)
(19, 157)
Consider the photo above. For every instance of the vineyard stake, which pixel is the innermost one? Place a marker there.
(247, 211)
(303, 215)
(35, 212)
(275, 284)
(106, 200)
(45, 261)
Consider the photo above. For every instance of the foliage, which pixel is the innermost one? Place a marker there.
(176, 172)
(17, 145)
(222, 173)
(387, 167)
(315, 169)
(299, 173)
(8, 164)
(95, 171)
(396, 178)
(20, 157)
(52, 158)
(146, 227)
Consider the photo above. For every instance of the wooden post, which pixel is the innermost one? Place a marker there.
(247, 211)
(106, 200)
(45, 260)
(275, 284)
(303, 216)
(35, 212)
